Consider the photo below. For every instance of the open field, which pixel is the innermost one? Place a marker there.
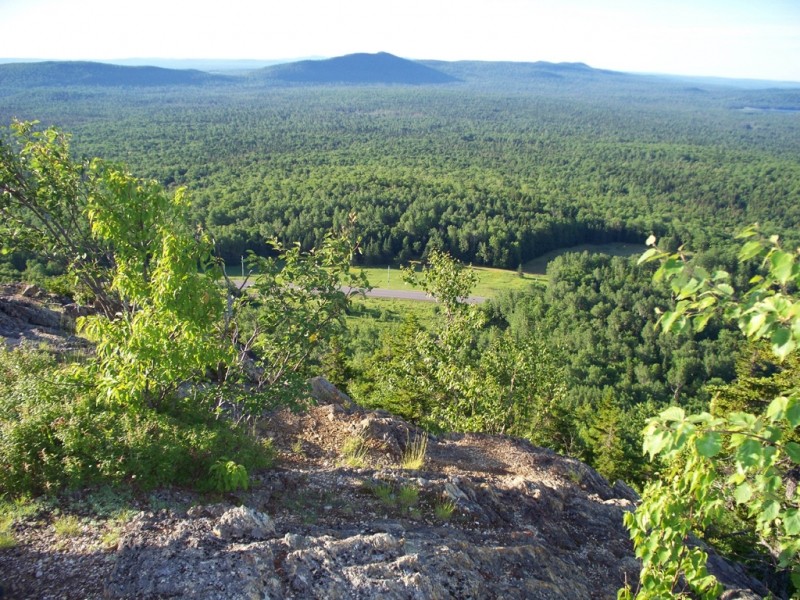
(490, 281)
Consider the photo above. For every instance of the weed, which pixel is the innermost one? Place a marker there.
(384, 492)
(575, 476)
(110, 539)
(297, 447)
(67, 526)
(108, 501)
(414, 454)
(407, 496)
(7, 539)
(268, 448)
(354, 452)
(17, 509)
(444, 510)
(227, 476)
(113, 529)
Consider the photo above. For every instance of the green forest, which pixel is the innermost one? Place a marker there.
(133, 200)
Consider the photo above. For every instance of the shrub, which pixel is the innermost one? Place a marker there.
(54, 434)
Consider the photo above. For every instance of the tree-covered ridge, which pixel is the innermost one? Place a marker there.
(495, 178)
(85, 73)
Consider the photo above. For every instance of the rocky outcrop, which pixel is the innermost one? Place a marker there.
(29, 314)
(486, 517)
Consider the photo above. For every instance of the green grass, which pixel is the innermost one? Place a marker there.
(7, 539)
(407, 496)
(384, 492)
(414, 455)
(67, 526)
(444, 510)
(490, 281)
(388, 312)
(354, 452)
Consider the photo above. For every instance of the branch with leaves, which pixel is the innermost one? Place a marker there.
(740, 458)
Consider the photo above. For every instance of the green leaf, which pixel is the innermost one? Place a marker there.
(782, 342)
(655, 443)
(777, 408)
(791, 521)
(793, 451)
(782, 263)
(648, 254)
(725, 289)
(749, 250)
(793, 412)
(700, 321)
(668, 320)
(749, 453)
(769, 511)
(709, 444)
(673, 413)
(755, 324)
(743, 493)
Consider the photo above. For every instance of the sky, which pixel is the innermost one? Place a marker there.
(757, 39)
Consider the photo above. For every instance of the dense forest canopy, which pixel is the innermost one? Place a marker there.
(495, 175)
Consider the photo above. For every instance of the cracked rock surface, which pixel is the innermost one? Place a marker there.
(484, 517)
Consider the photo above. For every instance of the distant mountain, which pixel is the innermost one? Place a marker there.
(491, 72)
(55, 73)
(209, 65)
(356, 69)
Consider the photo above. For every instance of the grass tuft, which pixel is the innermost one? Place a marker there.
(444, 510)
(67, 526)
(7, 539)
(414, 454)
(407, 496)
(354, 452)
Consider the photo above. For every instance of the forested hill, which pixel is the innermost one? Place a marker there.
(356, 69)
(511, 161)
(79, 73)
(520, 73)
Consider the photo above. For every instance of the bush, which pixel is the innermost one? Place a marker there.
(54, 435)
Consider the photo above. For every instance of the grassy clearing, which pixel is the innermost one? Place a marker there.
(490, 281)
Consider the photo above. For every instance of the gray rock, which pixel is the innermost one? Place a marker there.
(324, 392)
(527, 523)
(244, 523)
(181, 558)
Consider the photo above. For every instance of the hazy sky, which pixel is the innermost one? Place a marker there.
(729, 38)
